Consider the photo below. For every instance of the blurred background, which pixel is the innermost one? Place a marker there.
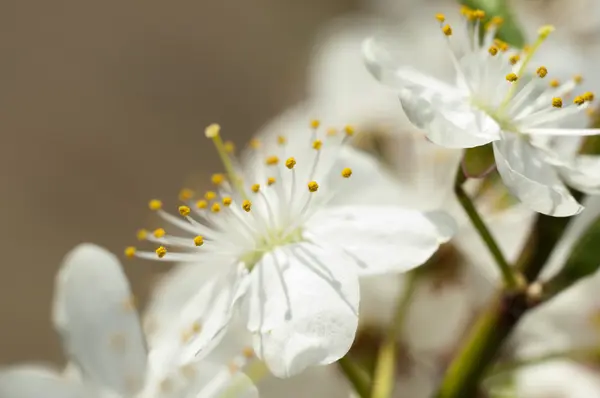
(103, 106)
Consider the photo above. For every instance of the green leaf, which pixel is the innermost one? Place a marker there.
(583, 261)
(510, 31)
(479, 161)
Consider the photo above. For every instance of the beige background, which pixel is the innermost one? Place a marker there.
(103, 105)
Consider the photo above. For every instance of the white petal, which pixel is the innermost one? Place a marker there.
(533, 181)
(37, 382)
(445, 224)
(97, 318)
(583, 174)
(563, 132)
(561, 379)
(449, 122)
(202, 379)
(174, 290)
(444, 112)
(380, 62)
(200, 323)
(302, 307)
(379, 239)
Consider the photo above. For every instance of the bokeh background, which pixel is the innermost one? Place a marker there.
(103, 106)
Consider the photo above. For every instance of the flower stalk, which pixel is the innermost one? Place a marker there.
(462, 380)
(508, 275)
(356, 375)
(384, 377)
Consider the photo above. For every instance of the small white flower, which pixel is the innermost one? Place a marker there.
(95, 313)
(290, 261)
(488, 104)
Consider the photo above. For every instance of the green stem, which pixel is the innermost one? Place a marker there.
(384, 377)
(356, 375)
(498, 321)
(507, 273)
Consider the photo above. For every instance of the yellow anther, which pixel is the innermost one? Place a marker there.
(246, 205)
(317, 144)
(254, 143)
(512, 77)
(217, 179)
(255, 188)
(229, 147)
(227, 201)
(347, 172)
(554, 83)
(215, 208)
(545, 31)
(313, 186)
(198, 240)
(465, 10)
(281, 140)
(478, 14)
(155, 204)
(331, 131)
(494, 22)
(141, 234)
(202, 204)
(542, 71)
(579, 100)
(315, 123)
(184, 210)
(349, 130)
(161, 251)
(212, 131)
(502, 45)
(210, 195)
(271, 181)
(186, 194)
(272, 161)
(440, 17)
(290, 163)
(447, 30)
(557, 102)
(493, 50)
(526, 48)
(196, 327)
(248, 352)
(578, 79)
(588, 96)
(130, 252)
(159, 233)
(514, 59)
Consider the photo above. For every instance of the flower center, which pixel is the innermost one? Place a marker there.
(242, 220)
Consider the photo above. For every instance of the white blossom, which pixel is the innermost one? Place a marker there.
(488, 103)
(95, 313)
(284, 256)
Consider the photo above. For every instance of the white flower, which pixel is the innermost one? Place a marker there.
(288, 259)
(487, 104)
(95, 313)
